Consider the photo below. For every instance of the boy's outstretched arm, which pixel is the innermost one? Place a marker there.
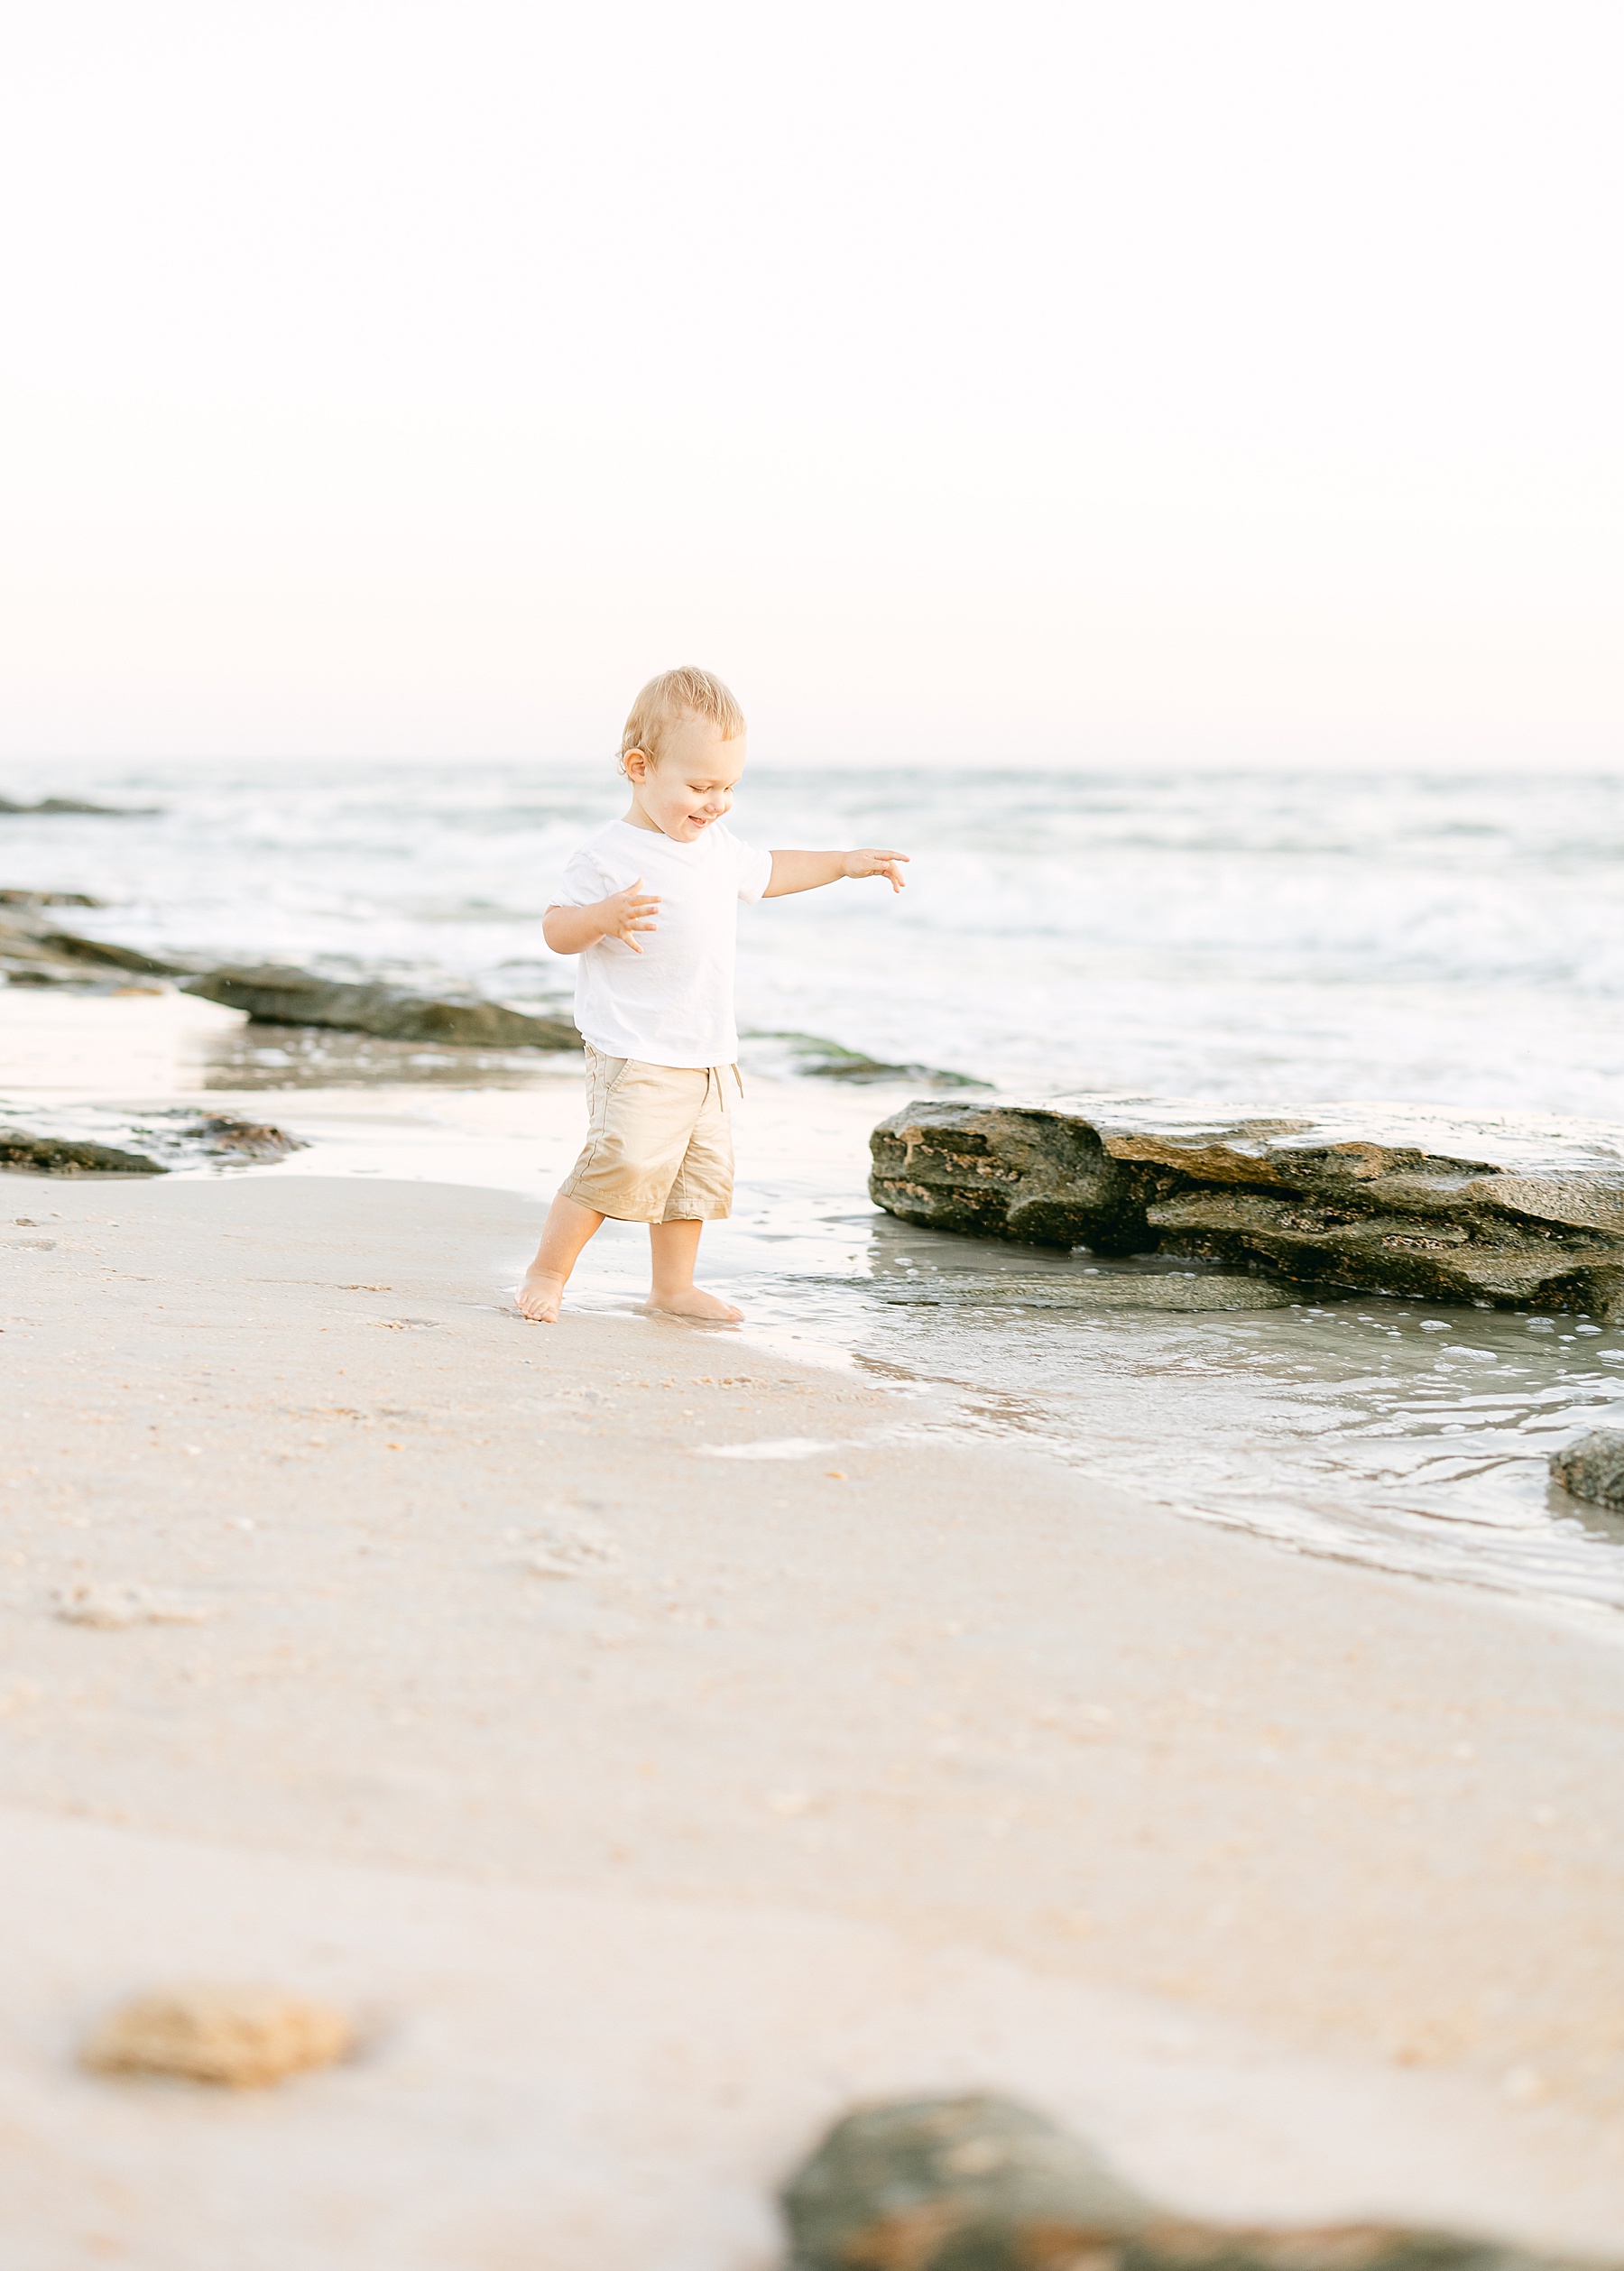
(572, 929)
(807, 871)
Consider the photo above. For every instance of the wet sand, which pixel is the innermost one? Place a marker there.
(648, 1804)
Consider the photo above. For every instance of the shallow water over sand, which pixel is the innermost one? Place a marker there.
(1409, 1436)
(1384, 1431)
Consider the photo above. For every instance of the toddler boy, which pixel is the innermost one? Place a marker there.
(650, 907)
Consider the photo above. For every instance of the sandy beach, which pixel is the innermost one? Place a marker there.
(1115, 515)
(657, 1744)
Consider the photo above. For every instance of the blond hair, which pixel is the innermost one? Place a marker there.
(687, 692)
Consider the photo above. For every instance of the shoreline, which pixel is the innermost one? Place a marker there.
(1376, 1430)
(949, 1704)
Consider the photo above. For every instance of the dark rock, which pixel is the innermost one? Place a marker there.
(68, 805)
(62, 1155)
(273, 994)
(49, 899)
(173, 1138)
(981, 2184)
(919, 2183)
(1395, 1199)
(1593, 1467)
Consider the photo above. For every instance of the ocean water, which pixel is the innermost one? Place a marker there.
(1220, 935)
(1268, 936)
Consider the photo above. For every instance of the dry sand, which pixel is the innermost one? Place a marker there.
(646, 1805)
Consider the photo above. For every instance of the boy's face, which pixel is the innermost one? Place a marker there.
(692, 784)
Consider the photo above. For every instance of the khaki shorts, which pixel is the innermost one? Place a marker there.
(658, 1141)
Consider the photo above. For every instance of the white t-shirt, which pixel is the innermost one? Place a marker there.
(672, 1003)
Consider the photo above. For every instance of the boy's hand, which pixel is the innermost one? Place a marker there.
(860, 864)
(810, 871)
(625, 912)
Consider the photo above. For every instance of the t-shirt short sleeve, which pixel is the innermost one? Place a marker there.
(582, 885)
(755, 868)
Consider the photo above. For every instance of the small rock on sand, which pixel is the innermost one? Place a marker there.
(241, 2038)
(1593, 1467)
(115, 1607)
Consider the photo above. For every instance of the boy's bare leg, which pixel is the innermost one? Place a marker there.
(565, 1231)
(673, 1250)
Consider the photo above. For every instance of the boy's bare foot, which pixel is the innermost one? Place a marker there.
(691, 1303)
(539, 1295)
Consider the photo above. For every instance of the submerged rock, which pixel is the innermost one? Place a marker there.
(1128, 1291)
(49, 899)
(273, 994)
(49, 806)
(1593, 1467)
(253, 1139)
(1498, 1210)
(982, 2184)
(818, 1059)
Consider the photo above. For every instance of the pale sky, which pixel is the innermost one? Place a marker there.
(1117, 382)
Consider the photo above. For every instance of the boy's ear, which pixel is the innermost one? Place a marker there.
(636, 762)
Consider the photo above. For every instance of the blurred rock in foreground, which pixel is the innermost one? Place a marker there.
(239, 2038)
(273, 994)
(982, 2184)
(1498, 1209)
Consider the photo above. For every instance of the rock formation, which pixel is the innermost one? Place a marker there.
(982, 2184)
(273, 994)
(1499, 1210)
